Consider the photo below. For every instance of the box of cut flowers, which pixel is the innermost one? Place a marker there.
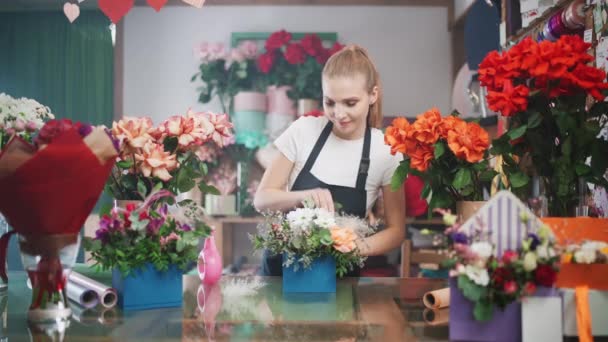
(487, 288)
(315, 244)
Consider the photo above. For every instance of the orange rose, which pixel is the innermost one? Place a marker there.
(421, 156)
(396, 135)
(132, 132)
(448, 124)
(427, 126)
(468, 141)
(153, 160)
(344, 239)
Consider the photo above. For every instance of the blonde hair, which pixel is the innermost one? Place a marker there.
(352, 59)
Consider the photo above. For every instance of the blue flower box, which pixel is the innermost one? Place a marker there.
(147, 288)
(320, 277)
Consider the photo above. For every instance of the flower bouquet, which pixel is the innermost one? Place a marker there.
(313, 242)
(555, 102)
(165, 156)
(449, 154)
(21, 117)
(482, 281)
(144, 244)
(49, 189)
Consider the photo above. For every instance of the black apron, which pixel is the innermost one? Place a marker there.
(353, 201)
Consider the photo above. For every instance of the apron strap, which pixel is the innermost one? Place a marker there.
(364, 164)
(317, 148)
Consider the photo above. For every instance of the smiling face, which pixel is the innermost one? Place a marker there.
(346, 102)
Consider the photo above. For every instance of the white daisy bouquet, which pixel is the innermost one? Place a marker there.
(21, 117)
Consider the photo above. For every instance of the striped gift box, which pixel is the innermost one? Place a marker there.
(501, 215)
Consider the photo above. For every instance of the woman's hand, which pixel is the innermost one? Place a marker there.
(322, 198)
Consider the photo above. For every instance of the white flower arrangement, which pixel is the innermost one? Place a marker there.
(21, 117)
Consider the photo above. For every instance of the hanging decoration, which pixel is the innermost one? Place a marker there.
(115, 9)
(195, 3)
(72, 11)
(157, 4)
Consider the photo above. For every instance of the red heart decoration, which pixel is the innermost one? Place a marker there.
(115, 9)
(157, 4)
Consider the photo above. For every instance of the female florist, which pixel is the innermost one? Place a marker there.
(265, 178)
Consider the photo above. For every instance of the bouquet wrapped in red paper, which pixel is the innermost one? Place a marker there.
(48, 190)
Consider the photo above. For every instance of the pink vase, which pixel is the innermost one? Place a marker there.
(279, 102)
(209, 262)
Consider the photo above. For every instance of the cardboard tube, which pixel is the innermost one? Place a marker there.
(437, 299)
(436, 317)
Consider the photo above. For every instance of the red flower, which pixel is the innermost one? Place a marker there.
(266, 62)
(509, 257)
(529, 288)
(294, 54)
(277, 40)
(335, 48)
(500, 276)
(51, 130)
(315, 113)
(322, 56)
(312, 45)
(510, 287)
(545, 275)
(510, 100)
(590, 79)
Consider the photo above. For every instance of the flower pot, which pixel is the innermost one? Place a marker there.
(466, 209)
(220, 205)
(319, 277)
(279, 102)
(306, 106)
(250, 101)
(48, 260)
(148, 288)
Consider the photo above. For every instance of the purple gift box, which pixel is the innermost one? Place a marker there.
(505, 326)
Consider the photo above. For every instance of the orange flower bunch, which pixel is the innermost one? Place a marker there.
(468, 141)
(551, 68)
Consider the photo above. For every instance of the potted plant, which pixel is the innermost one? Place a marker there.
(554, 102)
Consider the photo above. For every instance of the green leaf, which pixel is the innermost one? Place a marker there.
(519, 180)
(488, 175)
(208, 189)
(124, 164)
(470, 290)
(170, 144)
(534, 120)
(439, 150)
(180, 245)
(462, 179)
(105, 209)
(582, 169)
(157, 187)
(517, 132)
(185, 183)
(481, 166)
(483, 310)
(426, 190)
(400, 174)
(142, 189)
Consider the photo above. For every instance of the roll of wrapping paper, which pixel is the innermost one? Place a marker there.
(85, 297)
(574, 15)
(107, 295)
(437, 299)
(436, 317)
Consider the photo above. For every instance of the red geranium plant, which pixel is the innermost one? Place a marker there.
(296, 63)
(555, 102)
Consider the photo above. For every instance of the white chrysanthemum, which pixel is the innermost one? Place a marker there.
(482, 249)
(545, 252)
(594, 245)
(479, 276)
(324, 219)
(530, 261)
(301, 219)
(585, 256)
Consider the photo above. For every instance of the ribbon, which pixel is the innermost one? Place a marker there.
(3, 249)
(583, 314)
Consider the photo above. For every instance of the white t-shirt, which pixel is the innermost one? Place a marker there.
(339, 159)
